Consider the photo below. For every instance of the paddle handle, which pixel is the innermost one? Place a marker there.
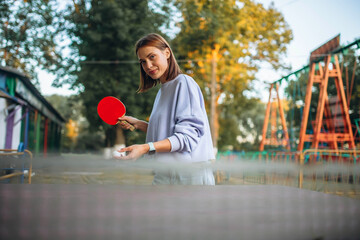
(132, 128)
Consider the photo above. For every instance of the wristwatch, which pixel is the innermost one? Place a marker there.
(151, 148)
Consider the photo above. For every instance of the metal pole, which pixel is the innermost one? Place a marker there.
(301, 171)
(266, 121)
(283, 121)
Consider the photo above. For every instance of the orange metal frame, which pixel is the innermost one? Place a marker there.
(273, 140)
(331, 136)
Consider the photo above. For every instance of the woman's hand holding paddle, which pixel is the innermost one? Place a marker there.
(126, 122)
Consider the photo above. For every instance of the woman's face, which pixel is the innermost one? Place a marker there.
(154, 62)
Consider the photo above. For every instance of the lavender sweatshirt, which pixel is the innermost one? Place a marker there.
(179, 115)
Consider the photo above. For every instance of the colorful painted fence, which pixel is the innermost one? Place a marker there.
(27, 120)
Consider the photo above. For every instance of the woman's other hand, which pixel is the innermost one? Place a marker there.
(133, 152)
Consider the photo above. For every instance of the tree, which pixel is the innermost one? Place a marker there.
(103, 35)
(237, 36)
(351, 77)
(76, 137)
(295, 92)
(28, 34)
(245, 123)
(70, 107)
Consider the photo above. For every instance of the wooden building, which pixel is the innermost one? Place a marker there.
(27, 120)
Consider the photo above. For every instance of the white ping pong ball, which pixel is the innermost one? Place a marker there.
(118, 154)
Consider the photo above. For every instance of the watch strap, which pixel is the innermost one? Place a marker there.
(151, 148)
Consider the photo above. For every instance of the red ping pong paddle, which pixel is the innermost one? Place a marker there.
(110, 109)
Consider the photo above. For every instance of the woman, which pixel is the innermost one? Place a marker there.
(178, 129)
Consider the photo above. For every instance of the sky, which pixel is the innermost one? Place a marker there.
(313, 23)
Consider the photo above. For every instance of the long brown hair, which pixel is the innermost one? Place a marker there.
(155, 40)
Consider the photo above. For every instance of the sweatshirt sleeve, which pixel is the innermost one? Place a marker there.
(189, 119)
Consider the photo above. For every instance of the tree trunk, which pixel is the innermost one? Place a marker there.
(120, 137)
(213, 115)
(118, 143)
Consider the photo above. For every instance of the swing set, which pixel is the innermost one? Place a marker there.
(325, 97)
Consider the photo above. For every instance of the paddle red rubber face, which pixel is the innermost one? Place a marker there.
(110, 109)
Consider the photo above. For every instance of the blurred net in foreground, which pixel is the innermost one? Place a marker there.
(95, 198)
(329, 171)
(323, 171)
(53, 211)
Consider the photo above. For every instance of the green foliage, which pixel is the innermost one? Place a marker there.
(69, 107)
(351, 76)
(28, 32)
(295, 93)
(243, 34)
(88, 141)
(241, 125)
(103, 36)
